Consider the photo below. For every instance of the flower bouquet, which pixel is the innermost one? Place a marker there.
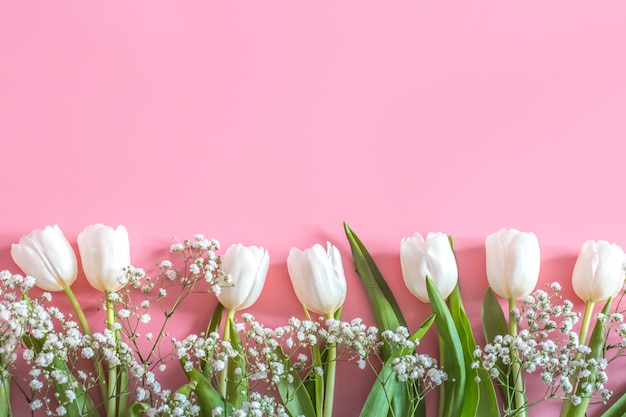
(58, 363)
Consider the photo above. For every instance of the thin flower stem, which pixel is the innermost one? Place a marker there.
(84, 324)
(519, 404)
(224, 376)
(80, 315)
(584, 327)
(5, 396)
(566, 408)
(331, 369)
(319, 379)
(111, 399)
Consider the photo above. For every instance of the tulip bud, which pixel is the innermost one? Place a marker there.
(432, 257)
(512, 263)
(47, 256)
(598, 273)
(247, 267)
(104, 253)
(317, 277)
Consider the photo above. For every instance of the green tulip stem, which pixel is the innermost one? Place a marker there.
(230, 316)
(566, 409)
(319, 379)
(80, 315)
(5, 396)
(584, 327)
(111, 399)
(331, 369)
(519, 402)
(84, 324)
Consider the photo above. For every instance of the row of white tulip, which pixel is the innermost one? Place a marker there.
(317, 274)
(46, 255)
(319, 282)
(513, 263)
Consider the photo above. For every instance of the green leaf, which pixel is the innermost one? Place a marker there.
(216, 320)
(388, 316)
(480, 397)
(421, 331)
(378, 401)
(452, 360)
(384, 305)
(237, 384)
(494, 324)
(208, 397)
(136, 409)
(82, 405)
(214, 327)
(294, 394)
(401, 404)
(5, 396)
(618, 409)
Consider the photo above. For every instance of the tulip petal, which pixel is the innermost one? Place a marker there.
(513, 261)
(523, 265)
(104, 252)
(46, 255)
(247, 266)
(432, 257)
(318, 278)
(31, 263)
(598, 272)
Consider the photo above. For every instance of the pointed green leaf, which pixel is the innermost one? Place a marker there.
(401, 404)
(216, 319)
(384, 305)
(423, 329)
(82, 405)
(480, 397)
(214, 327)
(618, 409)
(136, 409)
(452, 361)
(208, 397)
(293, 392)
(378, 401)
(494, 324)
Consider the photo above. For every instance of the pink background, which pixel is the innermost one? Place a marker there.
(272, 122)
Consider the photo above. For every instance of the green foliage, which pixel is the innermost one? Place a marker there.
(395, 395)
(387, 313)
(596, 344)
(294, 394)
(5, 397)
(237, 384)
(452, 359)
(480, 394)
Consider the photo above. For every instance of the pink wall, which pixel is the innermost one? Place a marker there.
(272, 122)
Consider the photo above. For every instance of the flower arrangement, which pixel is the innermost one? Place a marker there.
(237, 366)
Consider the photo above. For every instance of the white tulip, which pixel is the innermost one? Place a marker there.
(318, 278)
(247, 266)
(432, 257)
(598, 273)
(104, 253)
(512, 263)
(47, 256)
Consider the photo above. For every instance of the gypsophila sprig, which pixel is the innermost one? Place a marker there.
(546, 345)
(195, 269)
